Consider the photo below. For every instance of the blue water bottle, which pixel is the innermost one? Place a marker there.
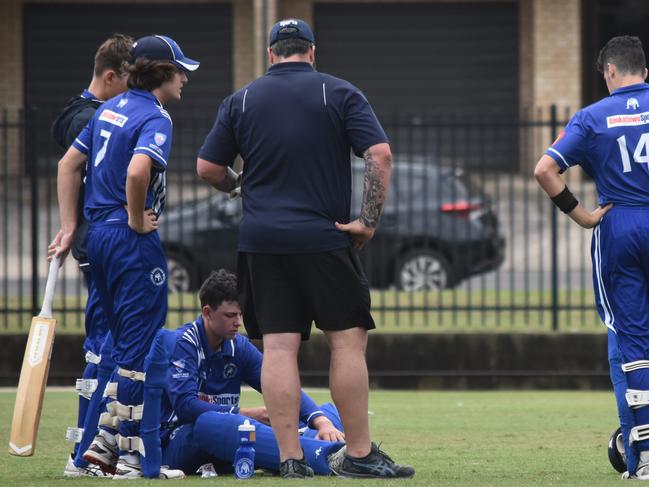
(244, 458)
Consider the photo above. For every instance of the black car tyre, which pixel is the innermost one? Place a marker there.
(423, 270)
(181, 275)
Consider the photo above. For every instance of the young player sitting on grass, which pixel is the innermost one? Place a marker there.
(209, 362)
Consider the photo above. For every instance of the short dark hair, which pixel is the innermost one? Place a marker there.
(112, 54)
(288, 47)
(625, 52)
(149, 75)
(220, 286)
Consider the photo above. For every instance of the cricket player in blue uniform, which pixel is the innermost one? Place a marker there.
(126, 145)
(610, 141)
(209, 362)
(108, 80)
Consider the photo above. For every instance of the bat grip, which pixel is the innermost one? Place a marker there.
(46, 310)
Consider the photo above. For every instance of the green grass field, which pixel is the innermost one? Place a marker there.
(452, 438)
(393, 311)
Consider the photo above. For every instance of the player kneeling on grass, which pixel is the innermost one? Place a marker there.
(209, 362)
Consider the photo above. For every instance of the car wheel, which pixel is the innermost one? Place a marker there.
(180, 276)
(423, 270)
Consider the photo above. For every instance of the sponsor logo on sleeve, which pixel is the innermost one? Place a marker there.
(160, 138)
(627, 120)
(113, 118)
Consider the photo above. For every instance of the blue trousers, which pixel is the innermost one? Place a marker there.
(214, 438)
(620, 253)
(96, 330)
(130, 272)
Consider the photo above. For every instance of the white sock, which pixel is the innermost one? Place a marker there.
(131, 458)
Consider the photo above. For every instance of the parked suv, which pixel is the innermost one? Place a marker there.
(436, 230)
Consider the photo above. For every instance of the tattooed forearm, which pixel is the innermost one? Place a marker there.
(374, 191)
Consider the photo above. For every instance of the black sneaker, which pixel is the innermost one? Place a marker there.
(295, 469)
(376, 465)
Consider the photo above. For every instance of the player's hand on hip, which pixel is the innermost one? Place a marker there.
(149, 222)
(358, 232)
(589, 220)
(326, 430)
(260, 414)
(60, 246)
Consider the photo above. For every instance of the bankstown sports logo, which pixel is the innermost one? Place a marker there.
(113, 118)
(160, 138)
(632, 104)
(286, 22)
(229, 371)
(158, 276)
(627, 120)
(220, 399)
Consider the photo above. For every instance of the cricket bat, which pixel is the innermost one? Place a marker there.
(33, 375)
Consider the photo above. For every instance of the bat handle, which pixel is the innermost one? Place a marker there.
(46, 310)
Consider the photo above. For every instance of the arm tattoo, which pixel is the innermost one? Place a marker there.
(374, 192)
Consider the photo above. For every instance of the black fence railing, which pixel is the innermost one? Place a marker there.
(467, 240)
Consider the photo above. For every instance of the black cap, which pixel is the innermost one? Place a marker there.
(291, 29)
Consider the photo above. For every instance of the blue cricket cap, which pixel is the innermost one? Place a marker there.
(162, 48)
(291, 29)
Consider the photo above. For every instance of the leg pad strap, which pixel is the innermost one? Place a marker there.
(125, 412)
(639, 433)
(111, 390)
(86, 387)
(74, 434)
(638, 364)
(130, 443)
(110, 420)
(132, 374)
(92, 358)
(637, 399)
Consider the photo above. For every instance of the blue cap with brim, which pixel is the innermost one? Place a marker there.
(291, 29)
(162, 48)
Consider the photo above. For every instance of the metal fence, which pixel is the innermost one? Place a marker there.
(467, 242)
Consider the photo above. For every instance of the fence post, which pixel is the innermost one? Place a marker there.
(554, 236)
(30, 128)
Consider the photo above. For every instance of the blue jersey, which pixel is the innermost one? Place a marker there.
(200, 379)
(131, 123)
(610, 141)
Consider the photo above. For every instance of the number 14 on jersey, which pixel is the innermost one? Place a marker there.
(640, 154)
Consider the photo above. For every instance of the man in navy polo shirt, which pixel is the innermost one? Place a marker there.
(610, 141)
(294, 129)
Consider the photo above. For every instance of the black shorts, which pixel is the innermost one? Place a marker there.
(285, 293)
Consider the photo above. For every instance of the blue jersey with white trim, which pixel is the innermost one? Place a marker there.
(200, 379)
(132, 123)
(610, 141)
